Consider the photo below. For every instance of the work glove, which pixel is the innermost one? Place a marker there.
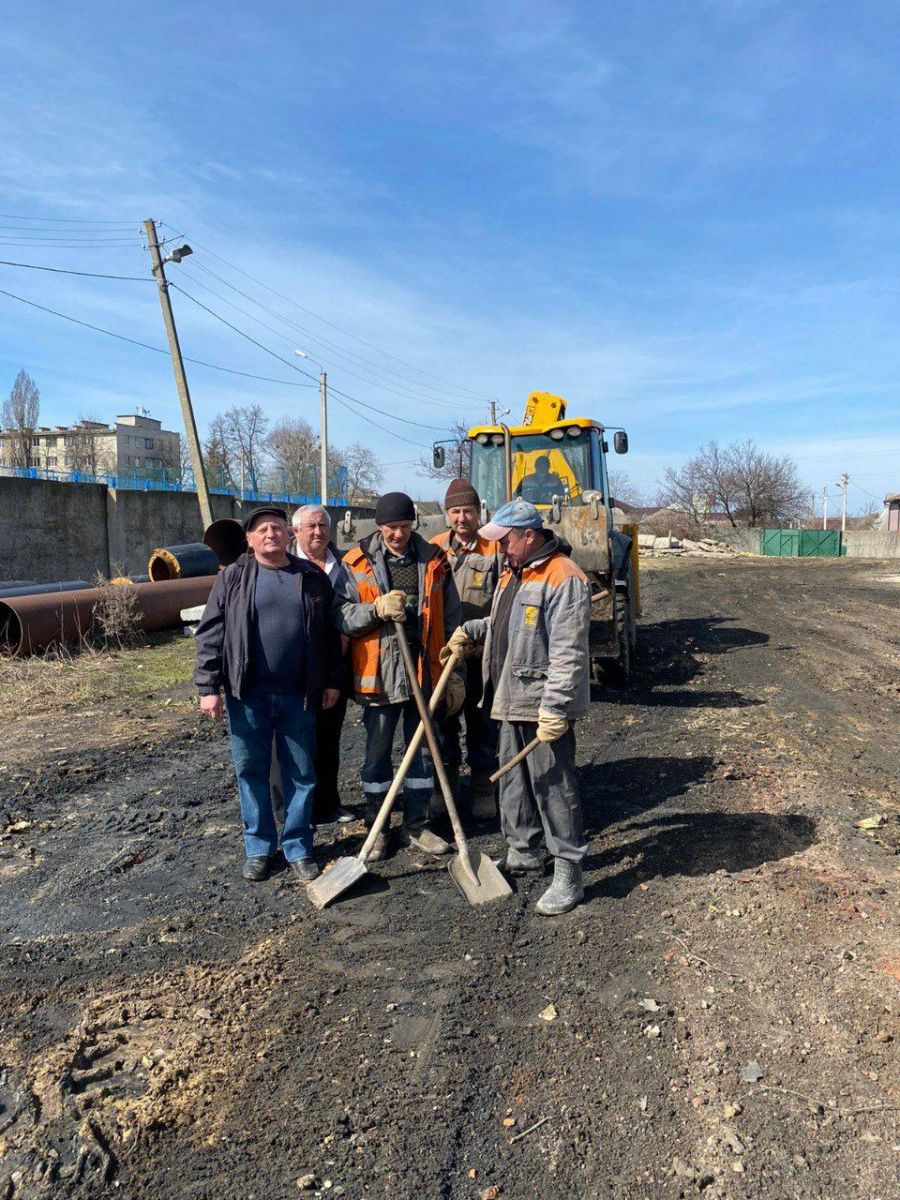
(460, 643)
(550, 727)
(454, 694)
(391, 607)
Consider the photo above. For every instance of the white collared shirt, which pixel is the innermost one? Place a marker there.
(331, 562)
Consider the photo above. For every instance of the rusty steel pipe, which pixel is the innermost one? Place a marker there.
(29, 624)
(190, 561)
(227, 540)
(40, 589)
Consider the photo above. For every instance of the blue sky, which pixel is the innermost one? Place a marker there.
(681, 215)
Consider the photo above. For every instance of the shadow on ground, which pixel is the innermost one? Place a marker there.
(699, 844)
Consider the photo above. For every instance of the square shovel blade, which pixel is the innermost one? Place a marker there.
(339, 879)
(488, 884)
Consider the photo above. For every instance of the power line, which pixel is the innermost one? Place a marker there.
(146, 346)
(63, 220)
(337, 328)
(64, 271)
(33, 242)
(404, 393)
(880, 499)
(331, 391)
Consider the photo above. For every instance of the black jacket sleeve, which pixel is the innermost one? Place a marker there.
(334, 659)
(209, 642)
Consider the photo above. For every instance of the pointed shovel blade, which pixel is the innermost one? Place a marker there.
(334, 882)
(488, 884)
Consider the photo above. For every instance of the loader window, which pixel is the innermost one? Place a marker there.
(542, 467)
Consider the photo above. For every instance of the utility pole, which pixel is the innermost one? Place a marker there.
(187, 412)
(323, 436)
(493, 412)
(845, 479)
(825, 507)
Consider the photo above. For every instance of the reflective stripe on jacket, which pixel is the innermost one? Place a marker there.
(547, 658)
(475, 571)
(378, 673)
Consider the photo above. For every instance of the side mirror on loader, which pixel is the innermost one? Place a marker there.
(438, 457)
(620, 441)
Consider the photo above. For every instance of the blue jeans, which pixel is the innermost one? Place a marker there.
(254, 720)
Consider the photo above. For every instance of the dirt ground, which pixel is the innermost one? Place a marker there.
(719, 1018)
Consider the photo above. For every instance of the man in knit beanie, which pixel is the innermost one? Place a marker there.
(395, 575)
(476, 565)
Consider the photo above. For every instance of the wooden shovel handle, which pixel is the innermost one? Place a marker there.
(515, 760)
(435, 749)
(406, 762)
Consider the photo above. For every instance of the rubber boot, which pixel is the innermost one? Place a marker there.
(521, 862)
(484, 801)
(436, 806)
(566, 890)
(415, 831)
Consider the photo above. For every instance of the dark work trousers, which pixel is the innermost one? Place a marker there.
(326, 798)
(381, 721)
(481, 731)
(539, 799)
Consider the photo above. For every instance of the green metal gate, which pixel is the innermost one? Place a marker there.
(801, 543)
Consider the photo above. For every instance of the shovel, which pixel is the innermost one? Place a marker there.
(476, 876)
(347, 871)
(516, 759)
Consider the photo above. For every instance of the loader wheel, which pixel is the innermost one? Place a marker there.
(618, 670)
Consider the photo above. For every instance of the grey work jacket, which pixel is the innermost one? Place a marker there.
(547, 664)
(476, 572)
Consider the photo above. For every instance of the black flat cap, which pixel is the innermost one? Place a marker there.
(267, 510)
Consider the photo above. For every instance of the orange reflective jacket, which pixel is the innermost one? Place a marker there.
(368, 649)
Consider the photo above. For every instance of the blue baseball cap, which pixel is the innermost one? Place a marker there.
(517, 514)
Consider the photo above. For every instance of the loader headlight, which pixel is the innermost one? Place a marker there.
(482, 439)
(497, 439)
(557, 434)
(574, 431)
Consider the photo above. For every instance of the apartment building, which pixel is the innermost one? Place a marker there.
(135, 444)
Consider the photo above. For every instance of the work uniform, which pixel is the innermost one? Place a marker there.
(536, 658)
(476, 570)
(380, 683)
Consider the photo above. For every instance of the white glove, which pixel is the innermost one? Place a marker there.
(459, 644)
(550, 728)
(391, 607)
(454, 694)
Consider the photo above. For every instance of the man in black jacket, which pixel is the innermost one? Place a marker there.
(266, 637)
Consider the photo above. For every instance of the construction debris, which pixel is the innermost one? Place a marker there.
(651, 546)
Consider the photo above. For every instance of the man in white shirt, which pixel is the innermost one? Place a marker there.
(312, 542)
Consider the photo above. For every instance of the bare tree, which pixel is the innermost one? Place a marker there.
(458, 456)
(19, 414)
(622, 489)
(294, 450)
(216, 453)
(175, 459)
(85, 448)
(747, 485)
(246, 427)
(364, 472)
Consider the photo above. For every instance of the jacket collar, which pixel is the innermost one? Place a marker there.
(374, 545)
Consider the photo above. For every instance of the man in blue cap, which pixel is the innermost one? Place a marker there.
(536, 676)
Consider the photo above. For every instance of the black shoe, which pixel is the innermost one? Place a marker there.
(257, 869)
(306, 869)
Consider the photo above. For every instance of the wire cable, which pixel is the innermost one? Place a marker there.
(63, 271)
(331, 325)
(287, 362)
(63, 220)
(146, 346)
(872, 495)
(405, 393)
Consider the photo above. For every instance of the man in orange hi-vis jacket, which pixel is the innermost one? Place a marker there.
(395, 575)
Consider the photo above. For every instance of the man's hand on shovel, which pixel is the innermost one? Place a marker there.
(455, 695)
(459, 644)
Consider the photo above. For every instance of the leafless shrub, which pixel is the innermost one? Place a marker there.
(117, 615)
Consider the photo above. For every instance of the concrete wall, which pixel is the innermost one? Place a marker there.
(51, 531)
(871, 543)
(745, 540)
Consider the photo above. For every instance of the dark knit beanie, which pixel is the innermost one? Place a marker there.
(459, 493)
(394, 506)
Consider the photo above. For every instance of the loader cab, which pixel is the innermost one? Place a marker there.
(566, 460)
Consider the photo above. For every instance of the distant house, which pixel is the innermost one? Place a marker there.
(890, 518)
(136, 443)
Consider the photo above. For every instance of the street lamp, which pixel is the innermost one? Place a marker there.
(323, 426)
